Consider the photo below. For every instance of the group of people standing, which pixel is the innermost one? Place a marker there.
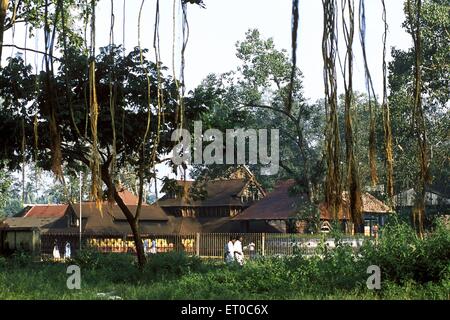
(67, 251)
(234, 251)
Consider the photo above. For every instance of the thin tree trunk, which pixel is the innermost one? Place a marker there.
(132, 221)
(134, 229)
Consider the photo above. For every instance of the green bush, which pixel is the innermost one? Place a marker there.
(172, 264)
(403, 256)
(21, 258)
(88, 257)
(3, 262)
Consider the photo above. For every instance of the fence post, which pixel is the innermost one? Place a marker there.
(263, 244)
(197, 244)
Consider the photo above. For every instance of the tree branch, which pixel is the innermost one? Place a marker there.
(31, 50)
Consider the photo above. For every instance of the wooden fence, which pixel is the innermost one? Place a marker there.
(207, 245)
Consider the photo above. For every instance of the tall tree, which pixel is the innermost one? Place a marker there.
(131, 100)
(256, 96)
(420, 91)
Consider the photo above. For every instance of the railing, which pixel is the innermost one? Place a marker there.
(207, 245)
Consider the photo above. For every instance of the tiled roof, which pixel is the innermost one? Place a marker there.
(30, 222)
(46, 211)
(148, 212)
(128, 197)
(219, 193)
(281, 205)
(277, 205)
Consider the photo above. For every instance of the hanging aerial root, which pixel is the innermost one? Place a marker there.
(333, 194)
(112, 103)
(418, 116)
(96, 189)
(371, 94)
(295, 18)
(355, 202)
(160, 96)
(387, 120)
(36, 135)
(141, 56)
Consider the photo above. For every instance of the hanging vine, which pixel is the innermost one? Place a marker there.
(418, 116)
(66, 73)
(185, 34)
(371, 94)
(147, 75)
(332, 141)
(294, 31)
(160, 96)
(96, 188)
(50, 98)
(352, 170)
(177, 85)
(112, 98)
(389, 164)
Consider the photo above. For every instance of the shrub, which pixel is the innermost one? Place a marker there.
(21, 258)
(403, 256)
(3, 262)
(173, 264)
(88, 257)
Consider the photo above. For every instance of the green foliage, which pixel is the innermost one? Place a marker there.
(435, 24)
(88, 257)
(172, 265)
(5, 183)
(402, 256)
(330, 274)
(254, 95)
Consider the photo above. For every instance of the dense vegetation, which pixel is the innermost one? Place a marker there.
(410, 269)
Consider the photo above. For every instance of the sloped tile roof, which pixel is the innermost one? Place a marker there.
(281, 205)
(30, 222)
(277, 205)
(45, 210)
(219, 193)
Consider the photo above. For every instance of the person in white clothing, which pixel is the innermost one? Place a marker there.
(238, 252)
(229, 251)
(56, 254)
(67, 251)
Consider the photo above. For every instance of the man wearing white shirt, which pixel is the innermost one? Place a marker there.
(229, 250)
(238, 252)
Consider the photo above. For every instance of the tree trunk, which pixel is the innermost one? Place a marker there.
(134, 225)
(132, 221)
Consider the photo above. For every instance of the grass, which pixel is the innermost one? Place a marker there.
(265, 279)
(411, 268)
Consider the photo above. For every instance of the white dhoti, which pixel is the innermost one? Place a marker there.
(238, 252)
(239, 258)
(229, 252)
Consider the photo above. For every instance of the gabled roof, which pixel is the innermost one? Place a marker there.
(30, 222)
(45, 210)
(128, 197)
(148, 212)
(371, 205)
(281, 205)
(219, 193)
(189, 225)
(277, 205)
